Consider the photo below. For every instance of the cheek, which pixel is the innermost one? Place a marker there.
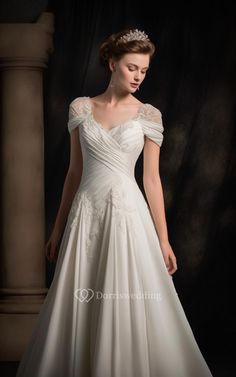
(128, 75)
(125, 75)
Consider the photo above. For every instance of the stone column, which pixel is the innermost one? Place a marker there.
(24, 51)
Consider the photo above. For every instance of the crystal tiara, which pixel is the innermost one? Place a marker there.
(134, 35)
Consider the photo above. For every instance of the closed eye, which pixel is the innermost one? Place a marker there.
(132, 70)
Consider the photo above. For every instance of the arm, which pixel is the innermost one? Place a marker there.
(71, 183)
(154, 192)
(70, 187)
(153, 188)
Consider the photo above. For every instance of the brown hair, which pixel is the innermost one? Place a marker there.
(115, 47)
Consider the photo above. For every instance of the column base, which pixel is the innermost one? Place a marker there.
(18, 315)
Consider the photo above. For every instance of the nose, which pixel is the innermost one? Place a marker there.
(137, 76)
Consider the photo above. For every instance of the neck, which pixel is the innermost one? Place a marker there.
(115, 95)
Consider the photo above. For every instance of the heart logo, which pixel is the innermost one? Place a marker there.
(84, 294)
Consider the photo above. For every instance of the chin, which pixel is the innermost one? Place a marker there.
(129, 91)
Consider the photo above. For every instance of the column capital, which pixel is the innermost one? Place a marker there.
(27, 45)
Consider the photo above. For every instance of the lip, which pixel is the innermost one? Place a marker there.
(134, 84)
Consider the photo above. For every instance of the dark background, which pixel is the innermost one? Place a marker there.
(192, 80)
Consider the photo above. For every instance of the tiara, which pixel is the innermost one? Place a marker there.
(134, 35)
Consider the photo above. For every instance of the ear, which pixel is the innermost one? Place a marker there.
(112, 65)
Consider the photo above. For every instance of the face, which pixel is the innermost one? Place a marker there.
(129, 72)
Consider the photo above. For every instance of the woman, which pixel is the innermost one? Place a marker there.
(112, 309)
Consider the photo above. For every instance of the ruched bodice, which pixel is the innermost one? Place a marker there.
(111, 155)
(148, 119)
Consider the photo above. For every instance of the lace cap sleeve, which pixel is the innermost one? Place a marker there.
(152, 124)
(76, 113)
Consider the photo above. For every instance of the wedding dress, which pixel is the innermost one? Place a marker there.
(112, 309)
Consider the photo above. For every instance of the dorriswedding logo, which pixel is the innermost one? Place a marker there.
(87, 294)
(84, 294)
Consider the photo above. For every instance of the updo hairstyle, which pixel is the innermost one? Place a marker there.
(115, 47)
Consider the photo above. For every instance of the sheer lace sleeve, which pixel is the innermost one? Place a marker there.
(76, 113)
(152, 125)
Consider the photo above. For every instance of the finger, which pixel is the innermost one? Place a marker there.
(173, 262)
(172, 270)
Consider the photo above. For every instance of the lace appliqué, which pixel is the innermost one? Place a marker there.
(94, 211)
(80, 106)
(151, 113)
(122, 210)
(151, 119)
(77, 113)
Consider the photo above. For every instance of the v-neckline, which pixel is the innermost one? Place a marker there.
(109, 130)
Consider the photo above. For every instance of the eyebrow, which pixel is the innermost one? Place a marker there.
(138, 66)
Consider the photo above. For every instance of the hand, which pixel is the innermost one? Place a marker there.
(169, 257)
(52, 247)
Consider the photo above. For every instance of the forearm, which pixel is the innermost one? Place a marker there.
(155, 197)
(69, 189)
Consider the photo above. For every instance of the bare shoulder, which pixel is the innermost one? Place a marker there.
(97, 99)
(135, 101)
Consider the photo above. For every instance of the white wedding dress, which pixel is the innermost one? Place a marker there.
(112, 309)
